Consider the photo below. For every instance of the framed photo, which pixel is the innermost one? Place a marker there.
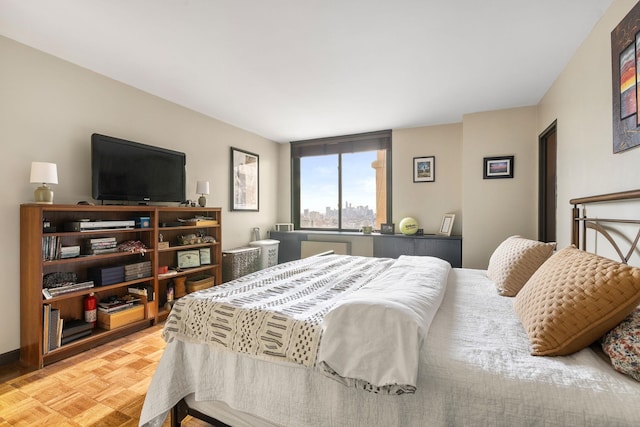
(447, 224)
(498, 167)
(387, 228)
(205, 256)
(189, 258)
(424, 169)
(245, 180)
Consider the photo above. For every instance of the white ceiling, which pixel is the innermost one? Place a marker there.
(298, 69)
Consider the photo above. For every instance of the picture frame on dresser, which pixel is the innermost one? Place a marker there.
(387, 228)
(447, 224)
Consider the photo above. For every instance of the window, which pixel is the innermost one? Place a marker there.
(342, 183)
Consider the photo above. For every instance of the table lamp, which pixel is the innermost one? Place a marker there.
(202, 188)
(44, 173)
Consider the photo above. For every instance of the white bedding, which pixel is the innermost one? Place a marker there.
(475, 369)
(373, 336)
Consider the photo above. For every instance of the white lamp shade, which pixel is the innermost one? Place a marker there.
(202, 187)
(44, 173)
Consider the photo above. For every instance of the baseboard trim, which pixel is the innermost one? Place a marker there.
(10, 357)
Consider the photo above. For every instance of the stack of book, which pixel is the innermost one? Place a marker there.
(138, 270)
(74, 330)
(101, 245)
(63, 288)
(146, 291)
(111, 306)
(69, 252)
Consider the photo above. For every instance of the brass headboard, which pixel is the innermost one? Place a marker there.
(581, 222)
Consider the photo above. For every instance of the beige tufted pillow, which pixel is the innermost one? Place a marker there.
(573, 299)
(514, 261)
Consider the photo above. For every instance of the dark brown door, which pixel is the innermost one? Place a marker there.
(547, 186)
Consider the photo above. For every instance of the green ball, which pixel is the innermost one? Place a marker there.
(408, 226)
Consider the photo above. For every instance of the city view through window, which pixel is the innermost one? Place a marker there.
(319, 191)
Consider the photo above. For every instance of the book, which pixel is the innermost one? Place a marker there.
(54, 320)
(67, 339)
(46, 318)
(101, 240)
(59, 332)
(73, 327)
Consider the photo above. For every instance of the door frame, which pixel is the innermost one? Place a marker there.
(544, 198)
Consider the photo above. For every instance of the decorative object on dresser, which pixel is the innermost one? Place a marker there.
(408, 226)
(43, 173)
(447, 224)
(387, 228)
(202, 188)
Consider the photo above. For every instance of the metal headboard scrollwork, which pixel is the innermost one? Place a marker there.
(581, 222)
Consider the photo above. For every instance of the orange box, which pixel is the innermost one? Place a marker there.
(120, 318)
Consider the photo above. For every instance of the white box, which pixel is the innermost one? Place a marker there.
(284, 226)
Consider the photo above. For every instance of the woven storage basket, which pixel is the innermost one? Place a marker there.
(240, 262)
(197, 283)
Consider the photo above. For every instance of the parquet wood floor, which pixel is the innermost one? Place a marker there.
(104, 386)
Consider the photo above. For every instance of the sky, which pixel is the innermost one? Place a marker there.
(319, 181)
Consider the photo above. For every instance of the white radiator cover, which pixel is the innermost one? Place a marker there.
(309, 248)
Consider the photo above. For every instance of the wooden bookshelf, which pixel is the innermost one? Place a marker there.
(33, 267)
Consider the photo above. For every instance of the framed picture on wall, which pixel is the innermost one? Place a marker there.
(245, 180)
(625, 58)
(424, 169)
(498, 167)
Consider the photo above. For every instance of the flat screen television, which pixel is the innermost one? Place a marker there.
(124, 170)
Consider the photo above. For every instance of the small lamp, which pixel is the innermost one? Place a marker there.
(44, 173)
(202, 188)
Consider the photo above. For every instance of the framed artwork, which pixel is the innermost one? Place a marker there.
(189, 258)
(245, 180)
(498, 167)
(205, 256)
(625, 60)
(447, 224)
(424, 169)
(387, 228)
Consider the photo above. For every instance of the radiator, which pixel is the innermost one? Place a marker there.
(309, 248)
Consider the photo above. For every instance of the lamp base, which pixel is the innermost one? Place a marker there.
(202, 201)
(43, 195)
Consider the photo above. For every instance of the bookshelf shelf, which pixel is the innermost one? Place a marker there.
(69, 305)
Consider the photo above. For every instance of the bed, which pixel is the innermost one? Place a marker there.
(443, 346)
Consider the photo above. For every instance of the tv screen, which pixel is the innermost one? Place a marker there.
(130, 171)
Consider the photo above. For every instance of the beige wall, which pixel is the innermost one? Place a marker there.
(497, 208)
(427, 202)
(48, 110)
(580, 100)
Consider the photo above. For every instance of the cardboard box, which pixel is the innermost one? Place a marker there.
(120, 318)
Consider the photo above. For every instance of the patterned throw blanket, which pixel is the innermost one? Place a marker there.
(274, 314)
